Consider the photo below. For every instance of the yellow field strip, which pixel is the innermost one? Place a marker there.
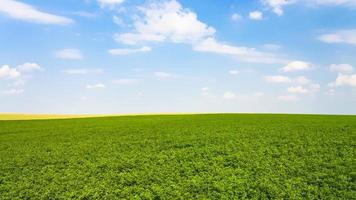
(17, 116)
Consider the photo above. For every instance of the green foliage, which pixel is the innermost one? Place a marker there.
(225, 156)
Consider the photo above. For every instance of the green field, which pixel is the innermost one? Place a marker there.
(220, 156)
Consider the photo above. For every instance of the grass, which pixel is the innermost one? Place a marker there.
(220, 156)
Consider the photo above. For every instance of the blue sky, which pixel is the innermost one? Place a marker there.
(159, 56)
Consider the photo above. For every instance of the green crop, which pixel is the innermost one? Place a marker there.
(220, 156)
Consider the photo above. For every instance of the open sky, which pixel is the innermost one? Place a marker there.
(154, 56)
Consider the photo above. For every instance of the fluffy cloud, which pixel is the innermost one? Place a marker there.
(297, 90)
(342, 36)
(27, 67)
(342, 68)
(26, 12)
(305, 86)
(234, 72)
(278, 79)
(256, 15)
(82, 71)
(350, 3)
(242, 53)
(170, 22)
(277, 5)
(127, 81)
(110, 3)
(96, 86)
(69, 54)
(229, 95)
(296, 66)
(13, 92)
(205, 89)
(15, 72)
(312, 88)
(302, 80)
(167, 21)
(235, 17)
(123, 52)
(18, 75)
(7, 72)
(344, 80)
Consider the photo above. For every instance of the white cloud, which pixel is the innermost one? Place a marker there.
(297, 90)
(296, 66)
(277, 5)
(305, 86)
(205, 89)
(243, 53)
(134, 38)
(26, 12)
(309, 89)
(7, 72)
(235, 17)
(13, 92)
(256, 15)
(96, 86)
(163, 75)
(118, 20)
(350, 3)
(287, 98)
(229, 95)
(127, 81)
(27, 67)
(278, 79)
(342, 36)
(166, 21)
(82, 71)
(341, 68)
(169, 22)
(110, 3)
(302, 80)
(234, 72)
(344, 80)
(69, 54)
(18, 74)
(124, 52)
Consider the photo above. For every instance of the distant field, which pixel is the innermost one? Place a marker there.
(38, 116)
(10, 116)
(180, 157)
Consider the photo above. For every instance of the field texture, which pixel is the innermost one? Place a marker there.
(227, 156)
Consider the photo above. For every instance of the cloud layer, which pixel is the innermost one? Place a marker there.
(170, 22)
(25, 12)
